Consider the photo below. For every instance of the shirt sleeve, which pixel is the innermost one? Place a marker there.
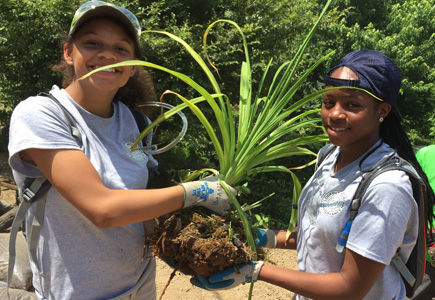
(37, 122)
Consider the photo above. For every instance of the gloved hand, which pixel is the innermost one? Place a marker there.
(208, 193)
(229, 278)
(265, 238)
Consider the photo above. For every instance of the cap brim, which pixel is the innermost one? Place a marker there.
(105, 11)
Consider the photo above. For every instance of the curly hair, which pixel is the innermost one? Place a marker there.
(139, 89)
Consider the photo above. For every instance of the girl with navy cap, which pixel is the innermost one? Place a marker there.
(364, 125)
(91, 244)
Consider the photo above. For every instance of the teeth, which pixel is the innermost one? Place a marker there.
(339, 129)
(106, 70)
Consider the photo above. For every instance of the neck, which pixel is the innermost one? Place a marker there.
(347, 156)
(94, 101)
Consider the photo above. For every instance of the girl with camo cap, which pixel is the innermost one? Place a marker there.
(91, 243)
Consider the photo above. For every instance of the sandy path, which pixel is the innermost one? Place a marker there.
(180, 286)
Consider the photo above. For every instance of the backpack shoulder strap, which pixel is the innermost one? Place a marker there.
(386, 164)
(33, 190)
(413, 270)
(70, 119)
(142, 123)
(323, 153)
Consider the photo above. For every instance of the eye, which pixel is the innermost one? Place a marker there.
(91, 43)
(328, 103)
(353, 104)
(122, 49)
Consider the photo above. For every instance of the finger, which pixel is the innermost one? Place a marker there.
(197, 282)
(221, 276)
(204, 281)
(222, 209)
(209, 178)
(233, 190)
(213, 212)
(261, 238)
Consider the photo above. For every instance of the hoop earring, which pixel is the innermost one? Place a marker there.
(381, 119)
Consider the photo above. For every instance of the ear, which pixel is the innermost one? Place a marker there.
(133, 70)
(67, 50)
(384, 109)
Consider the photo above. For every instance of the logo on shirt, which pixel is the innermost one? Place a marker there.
(333, 203)
(136, 155)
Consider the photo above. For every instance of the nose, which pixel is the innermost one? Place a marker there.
(107, 53)
(337, 112)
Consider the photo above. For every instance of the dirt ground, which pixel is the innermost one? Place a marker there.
(180, 286)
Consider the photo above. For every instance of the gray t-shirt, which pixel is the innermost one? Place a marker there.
(79, 260)
(387, 220)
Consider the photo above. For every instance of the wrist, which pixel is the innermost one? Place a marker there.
(257, 268)
(188, 199)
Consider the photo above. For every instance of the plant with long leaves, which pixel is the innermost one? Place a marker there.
(262, 123)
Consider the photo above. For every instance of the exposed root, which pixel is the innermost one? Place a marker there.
(200, 244)
(167, 283)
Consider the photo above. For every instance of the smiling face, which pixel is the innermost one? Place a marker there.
(97, 43)
(351, 117)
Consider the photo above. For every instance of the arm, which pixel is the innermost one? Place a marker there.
(354, 280)
(269, 238)
(283, 242)
(73, 175)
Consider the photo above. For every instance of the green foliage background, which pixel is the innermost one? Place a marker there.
(404, 30)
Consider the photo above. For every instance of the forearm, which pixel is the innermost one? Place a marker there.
(286, 243)
(72, 174)
(121, 207)
(315, 286)
(356, 277)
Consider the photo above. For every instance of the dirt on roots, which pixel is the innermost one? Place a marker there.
(197, 243)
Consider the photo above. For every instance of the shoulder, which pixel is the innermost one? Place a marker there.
(36, 105)
(324, 152)
(397, 178)
(390, 190)
(390, 169)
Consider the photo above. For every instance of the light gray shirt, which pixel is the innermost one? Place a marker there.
(386, 221)
(79, 260)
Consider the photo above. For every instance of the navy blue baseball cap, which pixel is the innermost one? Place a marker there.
(376, 72)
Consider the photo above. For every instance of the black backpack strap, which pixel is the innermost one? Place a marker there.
(413, 270)
(142, 123)
(70, 119)
(323, 153)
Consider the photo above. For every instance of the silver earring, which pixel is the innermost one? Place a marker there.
(381, 119)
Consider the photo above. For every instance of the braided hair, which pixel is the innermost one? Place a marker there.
(392, 133)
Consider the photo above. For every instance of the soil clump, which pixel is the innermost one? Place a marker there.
(197, 243)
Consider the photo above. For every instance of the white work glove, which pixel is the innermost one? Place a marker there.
(208, 193)
(266, 238)
(230, 278)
